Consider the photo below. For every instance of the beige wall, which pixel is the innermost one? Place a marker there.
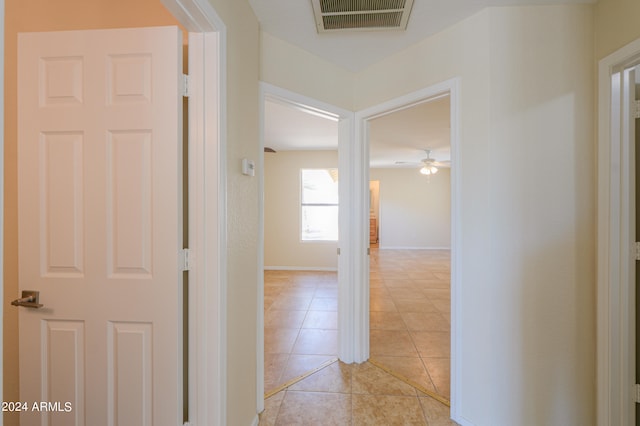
(527, 203)
(616, 24)
(243, 67)
(414, 212)
(282, 245)
(542, 203)
(45, 15)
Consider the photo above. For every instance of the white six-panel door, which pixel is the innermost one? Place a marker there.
(100, 226)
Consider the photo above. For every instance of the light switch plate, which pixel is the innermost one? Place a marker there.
(248, 167)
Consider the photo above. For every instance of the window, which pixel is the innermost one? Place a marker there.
(319, 204)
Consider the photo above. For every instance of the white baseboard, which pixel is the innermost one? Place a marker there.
(255, 421)
(413, 248)
(300, 268)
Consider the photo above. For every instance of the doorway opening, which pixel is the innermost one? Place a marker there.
(392, 285)
(302, 179)
(409, 279)
(301, 205)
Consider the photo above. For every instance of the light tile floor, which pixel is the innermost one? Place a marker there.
(410, 325)
(353, 394)
(301, 324)
(409, 336)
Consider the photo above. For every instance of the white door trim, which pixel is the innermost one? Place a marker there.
(345, 141)
(451, 87)
(207, 209)
(616, 312)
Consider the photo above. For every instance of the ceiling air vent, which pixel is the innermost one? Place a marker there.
(361, 15)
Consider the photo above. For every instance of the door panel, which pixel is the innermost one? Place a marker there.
(100, 226)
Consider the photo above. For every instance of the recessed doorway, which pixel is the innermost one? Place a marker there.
(410, 305)
(412, 280)
(301, 228)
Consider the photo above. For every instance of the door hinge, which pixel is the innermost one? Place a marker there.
(637, 250)
(186, 86)
(338, 250)
(636, 112)
(186, 259)
(637, 394)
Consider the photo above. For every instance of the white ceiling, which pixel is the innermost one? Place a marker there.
(405, 135)
(287, 128)
(293, 21)
(401, 136)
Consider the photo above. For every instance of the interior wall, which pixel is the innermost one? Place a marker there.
(415, 211)
(242, 195)
(45, 15)
(543, 224)
(283, 247)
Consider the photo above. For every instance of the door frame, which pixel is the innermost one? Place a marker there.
(345, 145)
(452, 88)
(207, 209)
(615, 291)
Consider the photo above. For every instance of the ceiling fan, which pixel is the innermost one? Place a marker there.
(429, 165)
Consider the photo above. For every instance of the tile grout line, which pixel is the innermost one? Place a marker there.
(410, 382)
(406, 380)
(403, 267)
(421, 358)
(429, 374)
(299, 331)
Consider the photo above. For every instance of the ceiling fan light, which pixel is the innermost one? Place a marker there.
(429, 170)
